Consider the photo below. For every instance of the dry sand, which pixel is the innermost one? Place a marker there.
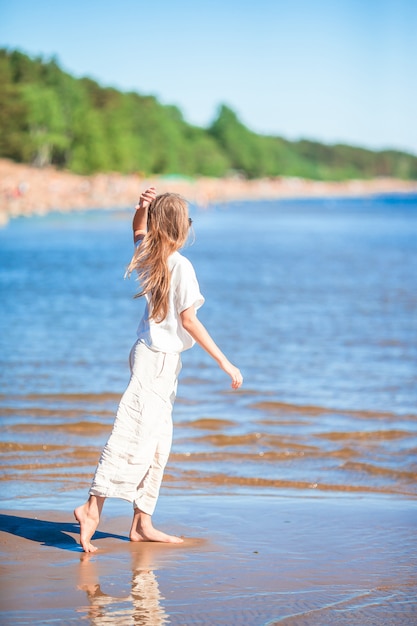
(252, 560)
(25, 190)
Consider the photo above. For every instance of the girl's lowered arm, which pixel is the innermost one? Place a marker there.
(140, 218)
(200, 334)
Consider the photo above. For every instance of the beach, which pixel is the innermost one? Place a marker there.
(296, 495)
(27, 190)
(245, 560)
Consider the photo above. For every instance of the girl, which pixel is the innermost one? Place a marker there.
(133, 460)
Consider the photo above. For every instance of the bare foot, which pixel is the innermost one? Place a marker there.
(154, 535)
(143, 530)
(88, 521)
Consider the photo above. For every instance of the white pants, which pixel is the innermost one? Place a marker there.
(133, 460)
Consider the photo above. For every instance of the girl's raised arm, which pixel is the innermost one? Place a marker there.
(140, 218)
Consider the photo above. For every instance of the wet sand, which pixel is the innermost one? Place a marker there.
(251, 559)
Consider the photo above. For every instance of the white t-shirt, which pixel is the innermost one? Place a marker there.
(170, 335)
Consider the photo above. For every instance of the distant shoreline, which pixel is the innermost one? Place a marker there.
(26, 190)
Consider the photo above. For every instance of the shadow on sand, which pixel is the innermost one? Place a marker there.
(47, 533)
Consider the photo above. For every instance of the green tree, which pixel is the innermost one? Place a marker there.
(46, 123)
(48, 116)
(237, 141)
(13, 114)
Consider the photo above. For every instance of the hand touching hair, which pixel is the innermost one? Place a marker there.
(167, 231)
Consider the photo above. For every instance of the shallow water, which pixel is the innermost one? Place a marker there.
(315, 300)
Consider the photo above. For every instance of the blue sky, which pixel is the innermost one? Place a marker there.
(331, 70)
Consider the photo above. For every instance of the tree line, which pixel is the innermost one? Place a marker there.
(49, 117)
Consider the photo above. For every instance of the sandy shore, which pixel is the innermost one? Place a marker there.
(26, 190)
(245, 560)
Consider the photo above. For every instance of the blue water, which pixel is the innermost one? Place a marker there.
(315, 301)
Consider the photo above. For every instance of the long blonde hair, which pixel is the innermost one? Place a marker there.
(167, 231)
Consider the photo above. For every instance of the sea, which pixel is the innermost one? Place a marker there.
(315, 300)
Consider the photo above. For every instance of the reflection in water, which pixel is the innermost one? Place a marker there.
(141, 607)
